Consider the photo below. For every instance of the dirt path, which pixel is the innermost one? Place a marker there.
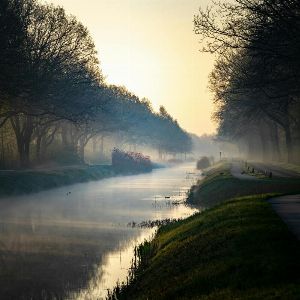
(288, 208)
(236, 171)
(276, 171)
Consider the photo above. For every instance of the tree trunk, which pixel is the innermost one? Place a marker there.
(81, 153)
(274, 141)
(251, 147)
(23, 150)
(160, 154)
(263, 140)
(38, 148)
(94, 144)
(64, 136)
(82, 142)
(2, 150)
(289, 144)
(23, 129)
(102, 146)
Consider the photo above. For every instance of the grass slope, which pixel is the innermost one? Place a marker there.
(239, 249)
(219, 185)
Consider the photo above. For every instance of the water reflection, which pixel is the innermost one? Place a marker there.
(114, 269)
(66, 243)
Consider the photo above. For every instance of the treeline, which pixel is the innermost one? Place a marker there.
(53, 96)
(255, 81)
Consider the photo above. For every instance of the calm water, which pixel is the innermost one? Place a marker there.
(74, 242)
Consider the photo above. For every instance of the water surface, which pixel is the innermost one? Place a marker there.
(74, 242)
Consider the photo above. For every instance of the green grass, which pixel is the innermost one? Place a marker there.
(236, 249)
(220, 185)
(28, 181)
(239, 249)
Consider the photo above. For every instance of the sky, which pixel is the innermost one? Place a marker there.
(149, 46)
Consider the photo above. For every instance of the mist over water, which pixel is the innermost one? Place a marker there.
(75, 240)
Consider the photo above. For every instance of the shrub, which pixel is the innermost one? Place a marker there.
(203, 163)
(130, 161)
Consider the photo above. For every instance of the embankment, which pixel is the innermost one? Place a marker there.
(238, 249)
(219, 185)
(29, 181)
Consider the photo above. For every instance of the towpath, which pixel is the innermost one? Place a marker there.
(276, 170)
(287, 207)
(236, 171)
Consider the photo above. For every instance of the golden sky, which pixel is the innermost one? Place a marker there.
(149, 47)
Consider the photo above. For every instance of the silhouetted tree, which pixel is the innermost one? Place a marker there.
(256, 71)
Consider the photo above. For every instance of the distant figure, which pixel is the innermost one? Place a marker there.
(270, 175)
(252, 170)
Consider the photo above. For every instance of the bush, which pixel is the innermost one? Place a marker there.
(130, 161)
(203, 163)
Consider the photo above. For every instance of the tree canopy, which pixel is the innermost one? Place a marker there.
(52, 90)
(255, 80)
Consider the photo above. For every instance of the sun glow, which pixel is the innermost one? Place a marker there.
(149, 47)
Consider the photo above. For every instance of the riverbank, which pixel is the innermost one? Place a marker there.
(219, 185)
(237, 249)
(30, 181)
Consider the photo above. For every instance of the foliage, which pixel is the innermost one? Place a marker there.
(130, 161)
(203, 163)
(52, 91)
(254, 81)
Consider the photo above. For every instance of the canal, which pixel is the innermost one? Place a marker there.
(76, 242)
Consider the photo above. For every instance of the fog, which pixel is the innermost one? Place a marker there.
(57, 242)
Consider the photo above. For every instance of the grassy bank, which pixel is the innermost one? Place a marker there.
(239, 249)
(219, 185)
(28, 181)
